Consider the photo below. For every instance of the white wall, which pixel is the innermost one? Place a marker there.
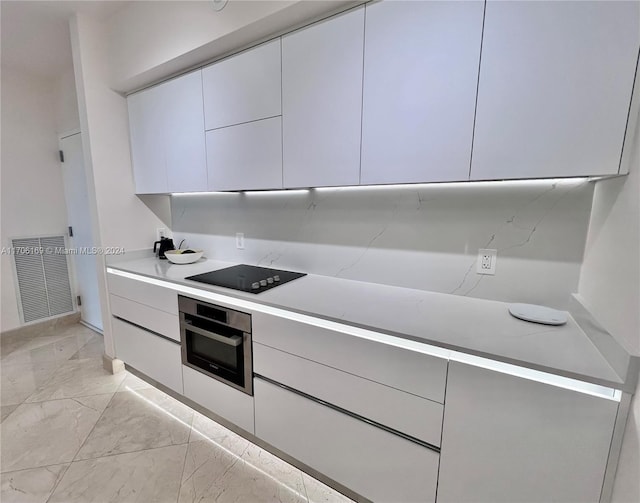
(32, 194)
(150, 40)
(424, 237)
(610, 288)
(120, 217)
(66, 103)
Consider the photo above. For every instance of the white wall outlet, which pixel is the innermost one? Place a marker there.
(487, 261)
(161, 232)
(240, 240)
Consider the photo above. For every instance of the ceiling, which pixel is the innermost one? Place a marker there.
(35, 34)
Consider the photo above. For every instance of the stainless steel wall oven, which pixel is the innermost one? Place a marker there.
(216, 341)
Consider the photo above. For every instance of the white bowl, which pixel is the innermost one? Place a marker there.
(177, 257)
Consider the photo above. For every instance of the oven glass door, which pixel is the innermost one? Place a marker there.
(216, 349)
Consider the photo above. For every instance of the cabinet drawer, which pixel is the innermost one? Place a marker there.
(372, 462)
(154, 356)
(223, 400)
(157, 297)
(404, 412)
(406, 370)
(147, 317)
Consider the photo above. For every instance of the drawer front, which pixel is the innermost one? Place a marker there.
(404, 412)
(154, 356)
(225, 401)
(158, 297)
(372, 462)
(145, 316)
(406, 370)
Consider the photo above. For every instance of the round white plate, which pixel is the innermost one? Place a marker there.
(538, 314)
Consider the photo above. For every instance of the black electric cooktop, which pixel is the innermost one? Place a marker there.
(248, 278)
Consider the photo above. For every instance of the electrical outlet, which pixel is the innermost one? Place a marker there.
(161, 232)
(240, 240)
(487, 261)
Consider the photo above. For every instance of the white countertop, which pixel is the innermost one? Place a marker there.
(475, 326)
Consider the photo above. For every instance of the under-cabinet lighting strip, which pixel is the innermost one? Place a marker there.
(414, 186)
(411, 345)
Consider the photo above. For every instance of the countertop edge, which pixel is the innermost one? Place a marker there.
(626, 383)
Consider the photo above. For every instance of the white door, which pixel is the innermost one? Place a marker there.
(84, 264)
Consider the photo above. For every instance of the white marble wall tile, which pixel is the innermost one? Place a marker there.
(140, 477)
(424, 237)
(48, 433)
(76, 378)
(34, 485)
(137, 420)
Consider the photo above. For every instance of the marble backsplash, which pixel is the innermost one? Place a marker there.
(421, 236)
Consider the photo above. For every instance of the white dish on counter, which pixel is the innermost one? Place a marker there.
(179, 257)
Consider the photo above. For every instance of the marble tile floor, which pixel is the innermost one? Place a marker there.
(73, 433)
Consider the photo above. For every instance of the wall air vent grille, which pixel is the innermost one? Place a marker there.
(44, 288)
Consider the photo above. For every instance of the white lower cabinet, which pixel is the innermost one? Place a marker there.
(509, 439)
(151, 354)
(374, 463)
(142, 315)
(404, 412)
(221, 399)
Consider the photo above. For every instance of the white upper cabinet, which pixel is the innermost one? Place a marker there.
(184, 131)
(147, 141)
(244, 87)
(246, 157)
(420, 79)
(167, 137)
(322, 101)
(555, 87)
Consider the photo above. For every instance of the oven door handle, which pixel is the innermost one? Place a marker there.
(234, 340)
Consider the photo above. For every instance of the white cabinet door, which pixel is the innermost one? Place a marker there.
(555, 86)
(220, 398)
(246, 157)
(322, 102)
(244, 87)
(167, 137)
(420, 81)
(146, 129)
(184, 132)
(374, 463)
(509, 439)
(152, 355)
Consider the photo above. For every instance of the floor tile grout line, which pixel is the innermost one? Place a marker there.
(46, 382)
(53, 490)
(94, 426)
(36, 468)
(184, 462)
(58, 399)
(129, 452)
